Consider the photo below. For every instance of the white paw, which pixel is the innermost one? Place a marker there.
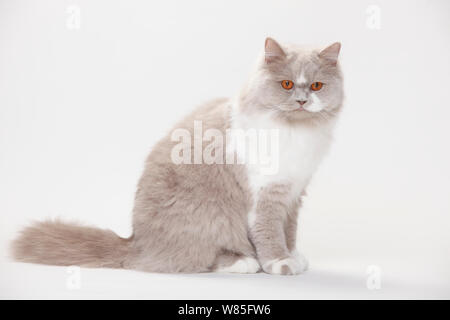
(296, 255)
(286, 266)
(244, 265)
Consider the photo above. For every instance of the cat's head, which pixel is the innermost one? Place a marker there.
(295, 83)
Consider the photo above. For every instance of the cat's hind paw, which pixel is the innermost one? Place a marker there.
(243, 265)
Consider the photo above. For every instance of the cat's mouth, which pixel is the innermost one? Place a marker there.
(302, 109)
(302, 106)
(296, 109)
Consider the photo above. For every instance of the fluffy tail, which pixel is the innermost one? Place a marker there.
(64, 244)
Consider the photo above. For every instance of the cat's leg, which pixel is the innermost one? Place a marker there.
(267, 232)
(230, 262)
(291, 234)
(290, 227)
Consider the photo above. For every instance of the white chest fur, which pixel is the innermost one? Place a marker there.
(297, 154)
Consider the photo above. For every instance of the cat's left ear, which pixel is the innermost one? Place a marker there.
(330, 54)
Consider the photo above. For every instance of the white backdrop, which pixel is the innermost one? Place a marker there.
(87, 87)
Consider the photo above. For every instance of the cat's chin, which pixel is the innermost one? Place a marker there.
(300, 115)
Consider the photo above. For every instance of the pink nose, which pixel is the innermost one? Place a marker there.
(302, 102)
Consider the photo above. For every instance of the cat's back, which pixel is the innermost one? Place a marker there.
(211, 114)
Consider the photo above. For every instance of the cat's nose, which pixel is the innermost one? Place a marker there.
(302, 102)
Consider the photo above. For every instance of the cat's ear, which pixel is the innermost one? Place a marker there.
(330, 54)
(273, 51)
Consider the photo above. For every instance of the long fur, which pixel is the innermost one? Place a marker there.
(220, 216)
(65, 244)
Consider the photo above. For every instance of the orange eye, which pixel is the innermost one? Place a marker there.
(287, 84)
(316, 86)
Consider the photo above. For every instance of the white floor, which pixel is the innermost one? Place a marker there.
(20, 281)
(343, 268)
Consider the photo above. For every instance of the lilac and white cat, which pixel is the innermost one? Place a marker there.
(221, 216)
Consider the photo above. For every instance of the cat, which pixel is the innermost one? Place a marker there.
(219, 217)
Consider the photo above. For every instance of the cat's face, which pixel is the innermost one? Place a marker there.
(295, 83)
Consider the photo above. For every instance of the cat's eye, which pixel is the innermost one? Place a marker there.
(316, 86)
(287, 84)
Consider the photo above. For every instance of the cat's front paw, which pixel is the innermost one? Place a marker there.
(286, 266)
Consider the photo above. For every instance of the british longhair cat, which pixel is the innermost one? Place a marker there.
(207, 199)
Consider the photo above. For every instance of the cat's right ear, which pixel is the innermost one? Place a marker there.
(330, 54)
(273, 51)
